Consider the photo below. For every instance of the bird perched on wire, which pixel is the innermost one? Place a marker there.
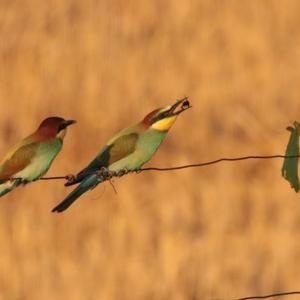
(31, 158)
(127, 151)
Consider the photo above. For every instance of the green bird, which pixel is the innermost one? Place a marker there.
(31, 158)
(128, 151)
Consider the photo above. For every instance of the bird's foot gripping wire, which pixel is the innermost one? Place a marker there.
(121, 172)
(25, 181)
(19, 181)
(104, 174)
(70, 178)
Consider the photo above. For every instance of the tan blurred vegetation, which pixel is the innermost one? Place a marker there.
(227, 230)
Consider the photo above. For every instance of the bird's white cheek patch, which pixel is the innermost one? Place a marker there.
(164, 124)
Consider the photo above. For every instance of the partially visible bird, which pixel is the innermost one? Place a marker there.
(128, 151)
(31, 158)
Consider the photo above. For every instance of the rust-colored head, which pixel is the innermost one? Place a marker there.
(163, 118)
(53, 127)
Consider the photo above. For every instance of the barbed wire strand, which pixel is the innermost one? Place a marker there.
(197, 165)
(266, 296)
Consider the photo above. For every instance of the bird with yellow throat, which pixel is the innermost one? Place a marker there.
(128, 150)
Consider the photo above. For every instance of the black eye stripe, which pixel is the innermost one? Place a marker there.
(160, 116)
(61, 126)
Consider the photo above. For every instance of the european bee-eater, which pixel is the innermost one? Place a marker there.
(32, 157)
(128, 151)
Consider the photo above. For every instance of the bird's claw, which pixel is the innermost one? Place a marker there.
(121, 172)
(24, 182)
(19, 181)
(105, 174)
(70, 178)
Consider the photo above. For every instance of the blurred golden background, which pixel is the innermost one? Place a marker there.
(223, 231)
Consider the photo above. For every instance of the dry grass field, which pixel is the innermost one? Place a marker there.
(224, 231)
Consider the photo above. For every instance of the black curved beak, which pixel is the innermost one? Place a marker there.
(66, 123)
(69, 122)
(179, 106)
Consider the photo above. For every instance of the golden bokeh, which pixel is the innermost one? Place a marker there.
(222, 231)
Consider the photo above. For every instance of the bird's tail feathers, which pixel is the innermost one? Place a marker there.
(7, 186)
(79, 178)
(88, 183)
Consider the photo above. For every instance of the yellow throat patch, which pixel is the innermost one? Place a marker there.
(61, 134)
(164, 124)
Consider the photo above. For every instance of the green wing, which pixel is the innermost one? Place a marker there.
(16, 162)
(118, 149)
